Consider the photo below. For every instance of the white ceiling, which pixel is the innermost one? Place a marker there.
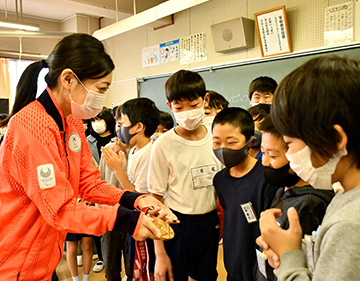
(61, 9)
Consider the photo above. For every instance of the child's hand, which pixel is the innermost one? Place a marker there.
(112, 160)
(156, 207)
(118, 146)
(278, 239)
(272, 258)
(163, 268)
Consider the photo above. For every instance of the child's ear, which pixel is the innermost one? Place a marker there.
(169, 105)
(341, 136)
(139, 127)
(207, 100)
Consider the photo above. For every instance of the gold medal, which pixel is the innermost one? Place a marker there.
(166, 230)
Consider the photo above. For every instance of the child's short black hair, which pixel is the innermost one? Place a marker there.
(107, 116)
(267, 126)
(217, 101)
(142, 110)
(260, 111)
(238, 118)
(113, 110)
(166, 120)
(184, 84)
(262, 84)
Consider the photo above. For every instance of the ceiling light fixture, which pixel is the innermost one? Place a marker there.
(18, 25)
(158, 12)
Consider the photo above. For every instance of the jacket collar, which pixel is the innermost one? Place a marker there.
(49, 102)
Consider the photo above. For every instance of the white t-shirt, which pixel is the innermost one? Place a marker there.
(138, 167)
(182, 171)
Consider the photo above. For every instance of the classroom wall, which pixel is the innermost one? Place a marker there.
(306, 25)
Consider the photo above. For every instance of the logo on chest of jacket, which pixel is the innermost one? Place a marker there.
(74, 142)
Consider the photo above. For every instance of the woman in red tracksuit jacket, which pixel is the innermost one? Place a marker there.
(45, 164)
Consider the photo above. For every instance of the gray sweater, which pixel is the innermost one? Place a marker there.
(337, 247)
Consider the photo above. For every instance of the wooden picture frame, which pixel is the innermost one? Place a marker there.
(273, 32)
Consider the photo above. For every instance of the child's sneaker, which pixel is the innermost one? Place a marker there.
(99, 266)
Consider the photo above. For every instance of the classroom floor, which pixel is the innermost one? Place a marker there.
(64, 273)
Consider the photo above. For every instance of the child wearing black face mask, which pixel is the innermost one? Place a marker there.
(242, 190)
(113, 243)
(310, 203)
(140, 118)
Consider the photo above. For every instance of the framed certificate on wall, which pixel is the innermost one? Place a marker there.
(273, 32)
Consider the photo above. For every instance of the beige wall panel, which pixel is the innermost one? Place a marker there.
(213, 12)
(121, 92)
(127, 54)
(68, 25)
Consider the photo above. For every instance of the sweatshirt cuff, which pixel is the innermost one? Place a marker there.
(137, 228)
(290, 261)
(128, 199)
(127, 220)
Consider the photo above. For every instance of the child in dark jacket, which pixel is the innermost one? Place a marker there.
(310, 203)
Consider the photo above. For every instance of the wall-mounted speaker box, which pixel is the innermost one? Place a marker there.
(233, 35)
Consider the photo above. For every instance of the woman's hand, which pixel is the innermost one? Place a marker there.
(147, 230)
(112, 160)
(278, 239)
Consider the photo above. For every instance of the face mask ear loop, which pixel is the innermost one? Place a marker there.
(247, 144)
(81, 83)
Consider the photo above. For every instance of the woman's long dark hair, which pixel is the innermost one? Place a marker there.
(82, 53)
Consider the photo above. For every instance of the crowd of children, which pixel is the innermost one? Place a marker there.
(268, 169)
(238, 157)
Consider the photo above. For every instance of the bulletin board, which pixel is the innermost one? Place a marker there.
(233, 81)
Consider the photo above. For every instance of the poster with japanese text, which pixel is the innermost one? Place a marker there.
(169, 51)
(339, 24)
(193, 48)
(273, 32)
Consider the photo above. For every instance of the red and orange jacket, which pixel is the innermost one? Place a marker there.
(45, 164)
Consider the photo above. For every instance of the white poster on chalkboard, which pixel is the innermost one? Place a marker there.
(193, 48)
(273, 32)
(339, 24)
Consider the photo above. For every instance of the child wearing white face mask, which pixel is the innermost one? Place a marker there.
(182, 166)
(316, 107)
(103, 130)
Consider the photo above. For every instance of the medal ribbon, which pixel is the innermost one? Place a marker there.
(141, 261)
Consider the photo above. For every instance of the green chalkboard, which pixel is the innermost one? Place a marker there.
(232, 81)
